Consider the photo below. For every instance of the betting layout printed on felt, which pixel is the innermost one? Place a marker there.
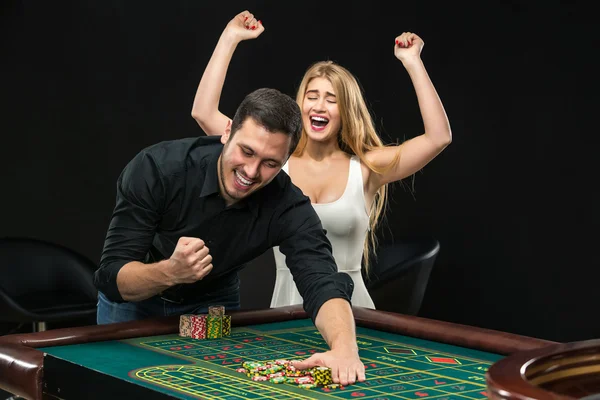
(397, 367)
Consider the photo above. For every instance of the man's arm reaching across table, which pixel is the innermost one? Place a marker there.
(335, 322)
(326, 292)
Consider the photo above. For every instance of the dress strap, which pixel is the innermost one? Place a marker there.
(357, 182)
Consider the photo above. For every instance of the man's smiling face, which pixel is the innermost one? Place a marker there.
(251, 158)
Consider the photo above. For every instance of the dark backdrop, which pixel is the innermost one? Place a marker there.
(87, 84)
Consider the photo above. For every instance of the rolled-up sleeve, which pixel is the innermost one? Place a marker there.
(140, 198)
(309, 257)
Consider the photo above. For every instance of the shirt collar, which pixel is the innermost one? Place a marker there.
(211, 186)
(211, 177)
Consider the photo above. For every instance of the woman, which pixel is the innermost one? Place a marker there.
(340, 163)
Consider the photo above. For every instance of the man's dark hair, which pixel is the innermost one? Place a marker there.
(275, 111)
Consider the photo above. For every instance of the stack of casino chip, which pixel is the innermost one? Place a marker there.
(322, 375)
(192, 326)
(218, 324)
(212, 326)
(226, 325)
(282, 371)
(185, 325)
(216, 311)
(198, 327)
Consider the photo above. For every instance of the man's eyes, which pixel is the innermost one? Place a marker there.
(250, 153)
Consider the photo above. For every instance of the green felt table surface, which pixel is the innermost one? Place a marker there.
(397, 367)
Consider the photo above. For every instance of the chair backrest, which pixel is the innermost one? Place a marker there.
(400, 274)
(30, 265)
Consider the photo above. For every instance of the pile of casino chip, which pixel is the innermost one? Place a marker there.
(212, 326)
(216, 324)
(282, 371)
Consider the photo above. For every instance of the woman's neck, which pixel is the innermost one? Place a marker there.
(321, 150)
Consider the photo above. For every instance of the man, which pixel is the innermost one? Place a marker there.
(189, 213)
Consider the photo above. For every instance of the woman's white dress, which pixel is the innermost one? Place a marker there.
(346, 222)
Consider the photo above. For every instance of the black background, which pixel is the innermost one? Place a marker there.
(87, 84)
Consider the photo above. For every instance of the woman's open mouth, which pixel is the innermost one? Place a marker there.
(318, 123)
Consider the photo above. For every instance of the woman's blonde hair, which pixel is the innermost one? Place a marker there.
(357, 135)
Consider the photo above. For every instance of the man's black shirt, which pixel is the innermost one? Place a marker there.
(171, 189)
